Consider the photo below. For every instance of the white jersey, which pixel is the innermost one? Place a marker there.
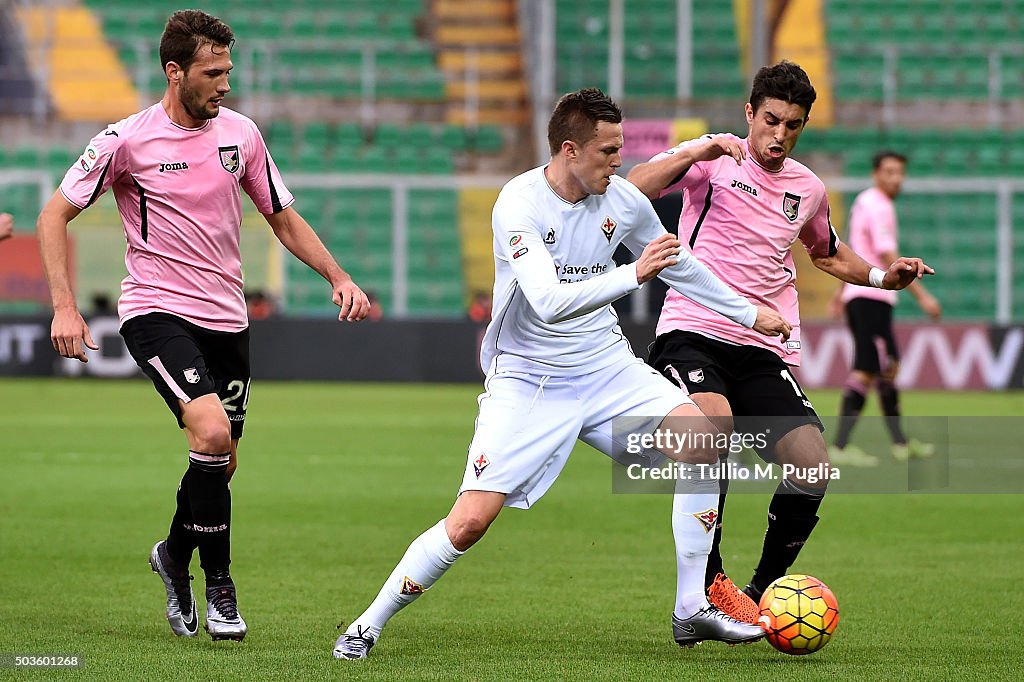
(554, 277)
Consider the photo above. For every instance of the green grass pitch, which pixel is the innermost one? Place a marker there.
(336, 479)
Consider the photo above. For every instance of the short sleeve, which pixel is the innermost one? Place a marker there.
(262, 180)
(95, 170)
(817, 234)
(692, 176)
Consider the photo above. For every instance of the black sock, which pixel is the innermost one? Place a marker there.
(210, 500)
(181, 539)
(849, 411)
(715, 557)
(792, 516)
(889, 396)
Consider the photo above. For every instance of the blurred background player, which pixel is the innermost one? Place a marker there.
(6, 226)
(558, 368)
(176, 169)
(746, 204)
(874, 233)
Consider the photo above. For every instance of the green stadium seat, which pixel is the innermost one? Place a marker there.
(487, 139)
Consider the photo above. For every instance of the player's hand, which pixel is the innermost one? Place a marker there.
(718, 146)
(353, 303)
(770, 323)
(658, 255)
(903, 271)
(70, 335)
(6, 226)
(929, 305)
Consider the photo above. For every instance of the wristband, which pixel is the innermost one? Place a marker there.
(875, 277)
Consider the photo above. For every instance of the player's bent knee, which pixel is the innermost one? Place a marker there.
(466, 529)
(212, 438)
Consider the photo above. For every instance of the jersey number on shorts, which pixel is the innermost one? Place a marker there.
(786, 376)
(241, 390)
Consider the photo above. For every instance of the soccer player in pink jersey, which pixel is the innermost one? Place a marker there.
(177, 170)
(746, 204)
(873, 233)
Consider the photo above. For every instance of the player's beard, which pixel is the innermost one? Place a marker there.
(194, 104)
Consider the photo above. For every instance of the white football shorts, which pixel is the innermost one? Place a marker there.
(528, 424)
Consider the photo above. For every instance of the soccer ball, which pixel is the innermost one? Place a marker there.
(799, 614)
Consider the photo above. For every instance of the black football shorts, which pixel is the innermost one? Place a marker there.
(764, 395)
(186, 361)
(874, 342)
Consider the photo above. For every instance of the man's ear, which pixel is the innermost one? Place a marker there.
(173, 71)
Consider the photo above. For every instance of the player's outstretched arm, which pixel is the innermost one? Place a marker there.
(69, 333)
(6, 226)
(651, 177)
(297, 236)
(849, 267)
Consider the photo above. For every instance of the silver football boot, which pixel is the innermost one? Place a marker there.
(222, 618)
(711, 624)
(354, 647)
(181, 603)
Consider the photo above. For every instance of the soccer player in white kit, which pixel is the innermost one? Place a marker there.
(558, 367)
(177, 170)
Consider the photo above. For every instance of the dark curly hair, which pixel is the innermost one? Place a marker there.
(186, 31)
(576, 115)
(784, 81)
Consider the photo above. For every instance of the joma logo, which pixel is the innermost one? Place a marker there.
(173, 166)
(745, 187)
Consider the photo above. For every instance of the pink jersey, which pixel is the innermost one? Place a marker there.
(740, 221)
(177, 190)
(873, 232)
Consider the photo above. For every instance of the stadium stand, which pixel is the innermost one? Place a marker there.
(319, 51)
(313, 60)
(650, 59)
(964, 30)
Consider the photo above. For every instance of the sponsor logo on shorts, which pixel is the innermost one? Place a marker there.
(480, 463)
(236, 418)
(521, 252)
(708, 519)
(191, 375)
(410, 586)
(696, 375)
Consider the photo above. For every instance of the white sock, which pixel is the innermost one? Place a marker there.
(694, 516)
(426, 560)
